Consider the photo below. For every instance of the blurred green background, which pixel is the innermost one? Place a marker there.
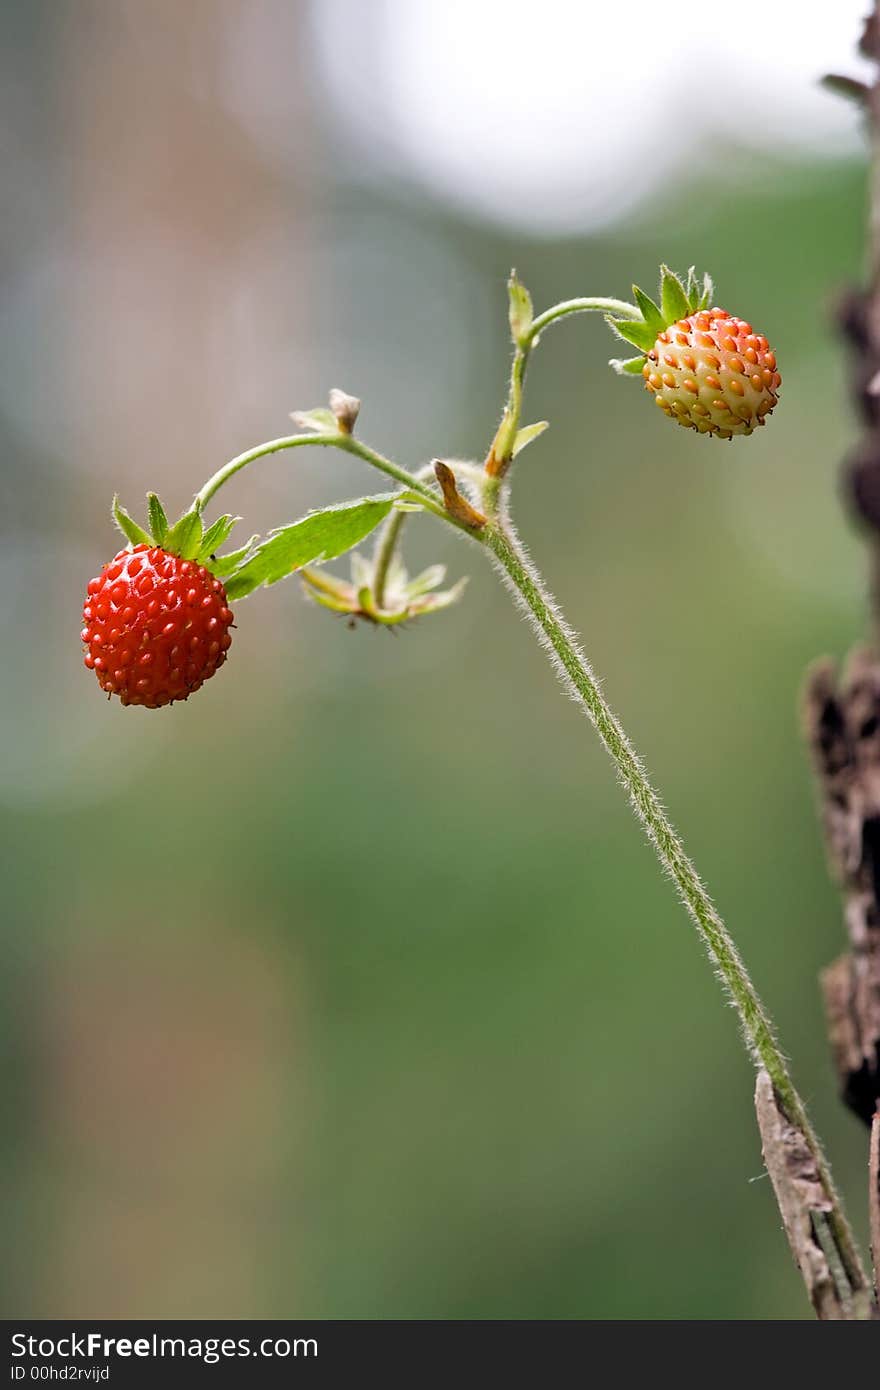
(350, 988)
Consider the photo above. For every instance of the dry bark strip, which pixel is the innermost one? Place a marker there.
(842, 718)
(874, 1199)
(805, 1211)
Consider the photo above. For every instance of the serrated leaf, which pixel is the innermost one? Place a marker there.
(650, 313)
(641, 335)
(128, 526)
(527, 434)
(158, 519)
(321, 420)
(627, 366)
(216, 535)
(521, 312)
(185, 536)
(318, 537)
(673, 300)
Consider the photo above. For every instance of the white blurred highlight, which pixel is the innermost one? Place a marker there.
(561, 116)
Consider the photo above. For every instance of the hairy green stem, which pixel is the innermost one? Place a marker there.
(346, 442)
(502, 448)
(388, 538)
(594, 304)
(558, 639)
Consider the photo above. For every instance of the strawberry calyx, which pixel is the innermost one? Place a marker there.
(677, 301)
(188, 537)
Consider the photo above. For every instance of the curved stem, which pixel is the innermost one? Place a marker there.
(388, 538)
(530, 592)
(501, 451)
(595, 304)
(346, 442)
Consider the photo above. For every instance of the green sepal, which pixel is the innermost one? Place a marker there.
(521, 311)
(627, 366)
(321, 420)
(158, 520)
(216, 535)
(673, 300)
(527, 434)
(133, 533)
(641, 335)
(650, 312)
(429, 579)
(435, 603)
(225, 564)
(331, 593)
(185, 537)
(320, 536)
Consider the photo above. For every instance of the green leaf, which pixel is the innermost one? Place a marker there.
(225, 564)
(650, 313)
(629, 366)
(185, 536)
(321, 420)
(216, 535)
(673, 300)
(158, 519)
(320, 536)
(129, 528)
(708, 292)
(521, 312)
(641, 335)
(527, 434)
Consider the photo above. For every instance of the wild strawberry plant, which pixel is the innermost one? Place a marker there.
(157, 618)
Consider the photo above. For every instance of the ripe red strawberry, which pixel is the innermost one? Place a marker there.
(156, 626)
(705, 368)
(712, 373)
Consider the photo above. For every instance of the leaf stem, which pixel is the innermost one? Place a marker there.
(531, 593)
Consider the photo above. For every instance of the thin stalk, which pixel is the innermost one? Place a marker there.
(388, 538)
(618, 307)
(346, 442)
(555, 635)
(501, 452)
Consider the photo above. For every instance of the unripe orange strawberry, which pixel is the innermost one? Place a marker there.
(705, 368)
(712, 373)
